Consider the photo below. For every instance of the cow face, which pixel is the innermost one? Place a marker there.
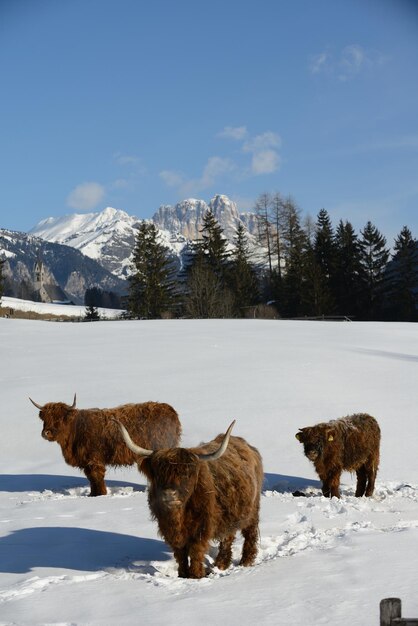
(55, 418)
(172, 475)
(314, 440)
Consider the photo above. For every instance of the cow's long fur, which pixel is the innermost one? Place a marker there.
(90, 438)
(351, 443)
(195, 501)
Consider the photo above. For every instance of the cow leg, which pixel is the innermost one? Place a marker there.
(182, 558)
(95, 475)
(371, 471)
(331, 485)
(224, 558)
(197, 553)
(249, 549)
(326, 488)
(361, 481)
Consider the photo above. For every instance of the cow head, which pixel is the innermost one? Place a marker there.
(55, 417)
(315, 439)
(173, 473)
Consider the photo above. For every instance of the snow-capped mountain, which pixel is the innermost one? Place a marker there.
(109, 236)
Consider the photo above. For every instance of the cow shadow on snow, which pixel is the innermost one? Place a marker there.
(78, 549)
(293, 484)
(64, 484)
(57, 484)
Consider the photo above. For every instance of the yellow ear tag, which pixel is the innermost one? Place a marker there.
(330, 438)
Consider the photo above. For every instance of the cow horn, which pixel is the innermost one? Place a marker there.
(131, 445)
(73, 404)
(212, 456)
(38, 406)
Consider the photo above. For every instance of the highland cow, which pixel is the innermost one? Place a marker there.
(204, 493)
(351, 443)
(90, 439)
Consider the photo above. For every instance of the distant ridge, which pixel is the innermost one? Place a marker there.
(64, 266)
(109, 235)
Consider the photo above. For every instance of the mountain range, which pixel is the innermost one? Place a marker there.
(109, 236)
(95, 249)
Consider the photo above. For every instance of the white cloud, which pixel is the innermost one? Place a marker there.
(353, 60)
(262, 142)
(126, 159)
(171, 178)
(215, 168)
(265, 157)
(319, 62)
(238, 133)
(265, 162)
(86, 196)
(347, 63)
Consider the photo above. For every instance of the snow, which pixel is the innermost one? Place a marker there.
(51, 308)
(72, 560)
(67, 228)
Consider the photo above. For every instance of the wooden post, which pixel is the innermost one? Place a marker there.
(390, 608)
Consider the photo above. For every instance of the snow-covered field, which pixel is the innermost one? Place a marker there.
(68, 559)
(51, 308)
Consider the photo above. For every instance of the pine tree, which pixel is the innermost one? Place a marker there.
(242, 276)
(374, 258)
(91, 313)
(402, 278)
(206, 290)
(291, 231)
(325, 254)
(316, 295)
(214, 245)
(324, 244)
(349, 274)
(152, 284)
(292, 303)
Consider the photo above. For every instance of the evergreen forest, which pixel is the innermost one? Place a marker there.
(296, 268)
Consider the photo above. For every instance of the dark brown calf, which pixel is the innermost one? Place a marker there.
(204, 493)
(351, 443)
(90, 439)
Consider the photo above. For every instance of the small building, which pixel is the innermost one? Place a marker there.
(45, 290)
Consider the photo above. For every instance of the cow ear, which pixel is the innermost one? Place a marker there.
(299, 436)
(144, 465)
(330, 435)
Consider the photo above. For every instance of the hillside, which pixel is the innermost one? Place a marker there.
(66, 267)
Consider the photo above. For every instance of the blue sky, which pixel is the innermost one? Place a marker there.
(134, 104)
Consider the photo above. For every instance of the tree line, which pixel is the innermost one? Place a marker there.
(301, 268)
(298, 268)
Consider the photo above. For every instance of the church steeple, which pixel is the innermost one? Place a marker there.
(38, 274)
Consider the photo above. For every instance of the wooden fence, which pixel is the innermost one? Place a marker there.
(391, 614)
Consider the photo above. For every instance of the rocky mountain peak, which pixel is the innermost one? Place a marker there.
(109, 235)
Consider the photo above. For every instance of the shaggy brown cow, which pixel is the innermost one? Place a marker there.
(203, 493)
(90, 439)
(351, 443)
